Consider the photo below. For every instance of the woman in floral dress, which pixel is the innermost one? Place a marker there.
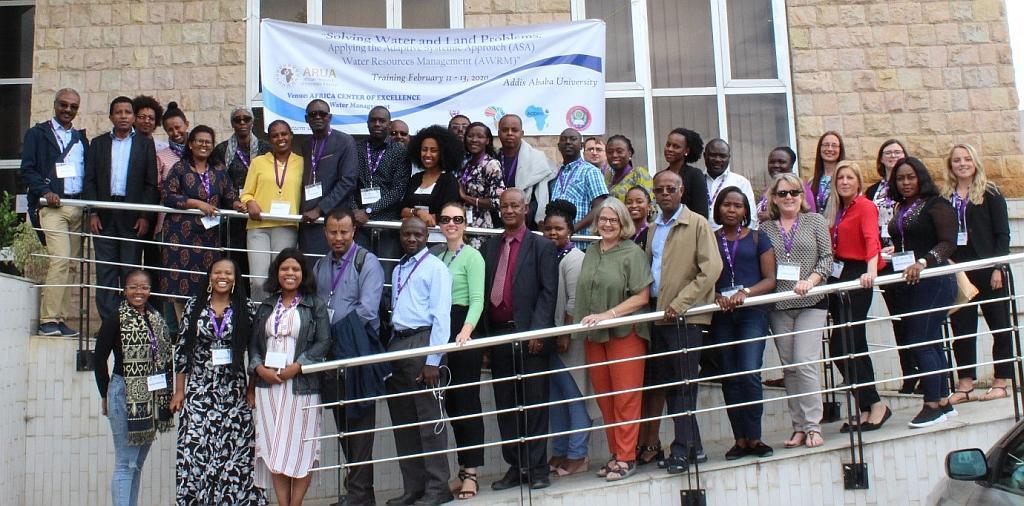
(481, 182)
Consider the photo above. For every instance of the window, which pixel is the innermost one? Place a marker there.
(719, 67)
(17, 22)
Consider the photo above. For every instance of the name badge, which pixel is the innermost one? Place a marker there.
(210, 221)
(900, 261)
(314, 191)
(280, 208)
(469, 215)
(276, 360)
(885, 231)
(837, 269)
(961, 238)
(66, 170)
(732, 290)
(330, 314)
(788, 272)
(156, 382)
(369, 195)
(221, 356)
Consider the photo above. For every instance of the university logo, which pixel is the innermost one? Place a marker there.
(578, 117)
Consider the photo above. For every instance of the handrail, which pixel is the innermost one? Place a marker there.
(296, 218)
(771, 298)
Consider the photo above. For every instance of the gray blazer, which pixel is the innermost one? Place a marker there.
(311, 347)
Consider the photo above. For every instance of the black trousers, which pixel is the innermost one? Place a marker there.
(891, 296)
(465, 368)
(859, 369)
(997, 315)
(359, 448)
(682, 398)
(233, 235)
(427, 474)
(108, 248)
(508, 360)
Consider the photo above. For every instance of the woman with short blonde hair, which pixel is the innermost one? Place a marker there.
(626, 226)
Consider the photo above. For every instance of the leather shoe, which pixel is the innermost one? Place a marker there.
(676, 465)
(511, 479)
(405, 499)
(434, 500)
(347, 500)
(540, 482)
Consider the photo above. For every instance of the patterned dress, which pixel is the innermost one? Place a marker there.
(618, 185)
(181, 184)
(482, 179)
(215, 430)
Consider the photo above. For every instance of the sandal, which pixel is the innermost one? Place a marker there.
(989, 397)
(814, 439)
(570, 467)
(793, 440)
(466, 479)
(621, 471)
(954, 400)
(605, 469)
(647, 454)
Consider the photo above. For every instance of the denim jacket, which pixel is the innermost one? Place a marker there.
(311, 347)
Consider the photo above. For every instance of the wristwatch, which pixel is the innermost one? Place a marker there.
(745, 290)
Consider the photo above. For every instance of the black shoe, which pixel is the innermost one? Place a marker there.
(868, 427)
(66, 331)
(908, 387)
(511, 479)
(49, 329)
(434, 500)
(405, 499)
(735, 453)
(540, 482)
(348, 500)
(701, 457)
(676, 465)
(927, 417)
(948, 410)
(760, 450)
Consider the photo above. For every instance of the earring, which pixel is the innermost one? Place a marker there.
(232, 288)
(209, 288)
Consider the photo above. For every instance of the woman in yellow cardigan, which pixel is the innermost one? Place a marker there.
(273, 187)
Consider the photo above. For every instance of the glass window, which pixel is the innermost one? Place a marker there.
(16, 102)
(757, 123)
(625, 116)
(425, 14)
(682, 55)
(752, 39)
(617, 16)
(16, 25)
(284, 10)
(359, 13)
(697, 113)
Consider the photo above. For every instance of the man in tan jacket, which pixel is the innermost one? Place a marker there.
(685, 265)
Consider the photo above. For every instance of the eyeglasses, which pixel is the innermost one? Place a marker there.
(788, 193)
(594, 149)
(202, 142)
(242, 119)
(832, 145)
(458, 220)
(898, 152)
(667, 190)
(317, 114)
(610, 221)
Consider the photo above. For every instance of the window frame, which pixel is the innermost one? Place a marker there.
(725, 84)
(15, 163)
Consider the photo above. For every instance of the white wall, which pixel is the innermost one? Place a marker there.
(20, 303)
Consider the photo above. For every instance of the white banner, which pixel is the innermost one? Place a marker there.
(552, 76)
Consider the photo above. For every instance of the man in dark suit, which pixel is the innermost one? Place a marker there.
(119, 167)
(521, 280)
(329, 178)
(53, 165)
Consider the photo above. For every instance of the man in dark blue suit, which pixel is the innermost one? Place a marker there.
(521, 280)
(329, 178)
(53, 166)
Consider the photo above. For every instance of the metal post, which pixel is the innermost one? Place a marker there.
(831, 410)
(1017, 379)
(855, 473)
(84, 356)
(693, 494)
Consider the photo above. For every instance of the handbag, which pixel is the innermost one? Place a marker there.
(965, 291)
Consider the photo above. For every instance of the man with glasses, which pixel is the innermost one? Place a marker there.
(593, 152)
(717, 155)
(685, 264)
(329, 178)
(382, 180)
(458, 125)
(52, 165)
(400, 132)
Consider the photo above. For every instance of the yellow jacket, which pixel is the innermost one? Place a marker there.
(690, 265)
(261, 186)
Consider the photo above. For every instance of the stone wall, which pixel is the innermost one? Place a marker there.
(929, 72)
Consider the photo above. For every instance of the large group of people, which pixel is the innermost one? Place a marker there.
(256, 301)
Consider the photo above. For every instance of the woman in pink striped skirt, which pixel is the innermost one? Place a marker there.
(292, 331)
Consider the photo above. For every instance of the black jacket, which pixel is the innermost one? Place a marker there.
(141, 187)
(988, 229)
(534, 283)
(39, 155)
(336, 170)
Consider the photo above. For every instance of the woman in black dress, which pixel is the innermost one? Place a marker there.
(439, 153)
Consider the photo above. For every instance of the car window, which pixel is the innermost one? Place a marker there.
(1010, 475)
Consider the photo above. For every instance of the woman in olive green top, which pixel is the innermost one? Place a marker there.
(467, 268)
(615, 281)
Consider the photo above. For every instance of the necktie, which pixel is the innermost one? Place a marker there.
(498, 289)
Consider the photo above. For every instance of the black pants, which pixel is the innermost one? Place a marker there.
(109, 248)
(233, 235)
(682, 398)
(508, 360)
(891, 296)
(387, 247)
(859, 369)
(997, 315)
(465, 368)
(359, 448)
(427, 474)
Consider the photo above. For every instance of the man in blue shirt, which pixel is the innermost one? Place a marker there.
(350, 280)
(52, 165)
(421, 299)
(578, 181)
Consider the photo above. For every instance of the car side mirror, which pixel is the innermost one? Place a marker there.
(966, 465)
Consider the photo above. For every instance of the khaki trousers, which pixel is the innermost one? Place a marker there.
(57, 222)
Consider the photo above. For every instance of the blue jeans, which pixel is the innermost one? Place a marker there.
(567, 416)
(128, 460)
(740, 325)
(927, 294)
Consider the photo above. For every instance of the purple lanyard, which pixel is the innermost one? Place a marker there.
(178, 149)
(370, 161)
(345, 261)
(824, 185)
(279, 176)
(60, 138)
(882, 194)
(566, 177)
(729, 252)
(152, 337)
(509, 169)
(219, 328)
(204, 178)
(640, 232)
(452, 259)
(901, 221)
(469, 168)
(317, 155)
(625, 172)
(835, 228)
(762, 204)
(961, 210)
(788, 238)
(565, 251)
(401, 286)
(279, 311)
(713, 192)
(244, 158)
